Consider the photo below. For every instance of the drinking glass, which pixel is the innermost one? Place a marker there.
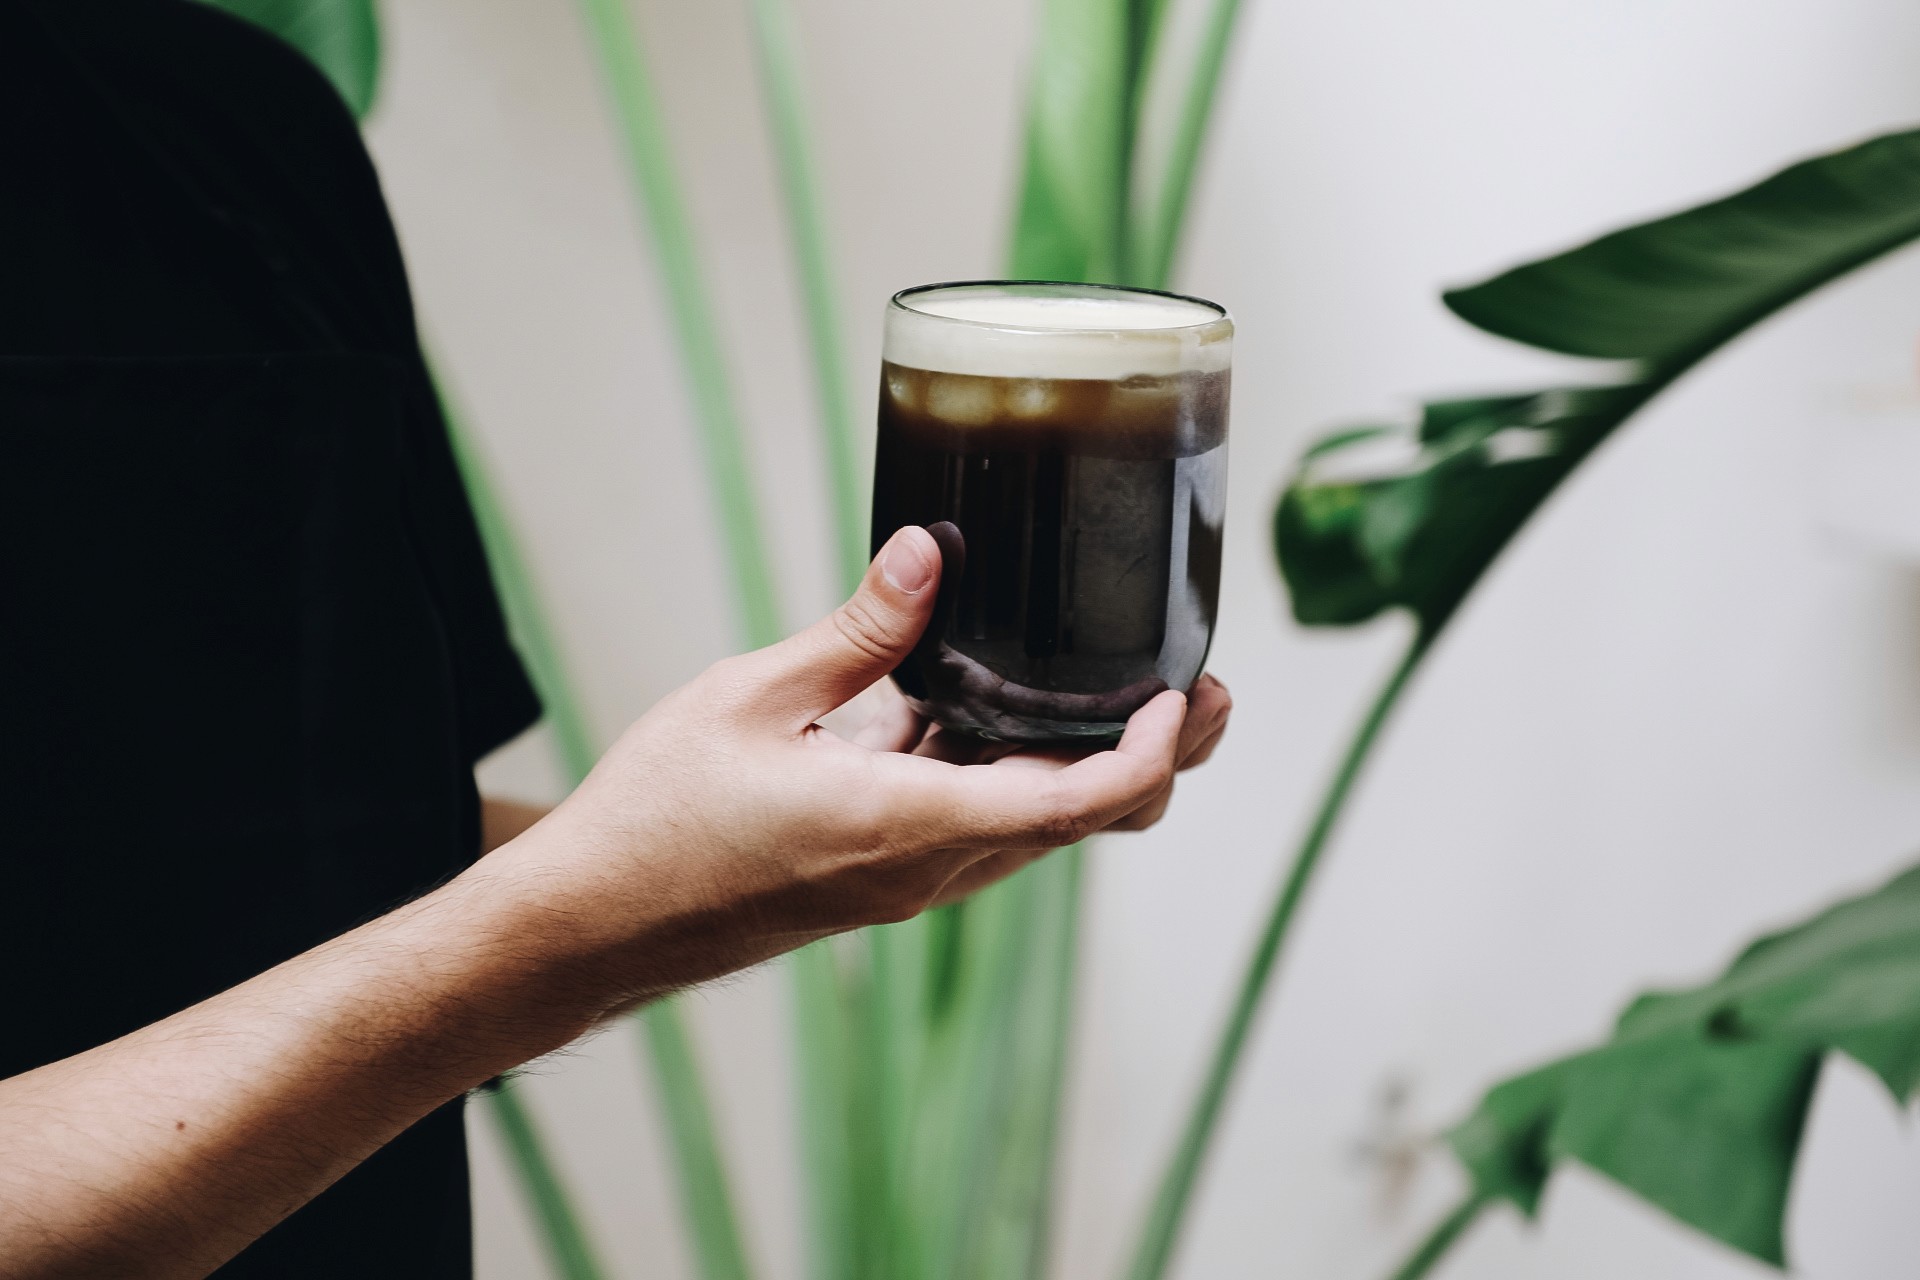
(1066, 445)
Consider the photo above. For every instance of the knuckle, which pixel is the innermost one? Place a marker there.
(728, 685)
(863, 627)
(1064, 820)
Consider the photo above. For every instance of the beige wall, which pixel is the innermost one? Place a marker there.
(1687, 706)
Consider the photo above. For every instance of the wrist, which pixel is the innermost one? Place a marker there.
(603, 919)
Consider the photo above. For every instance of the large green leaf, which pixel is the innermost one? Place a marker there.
(1069, 222)
(1378, 518)
(1668, 289)
(1410, 518)
(341, 36)
(1698, 1101)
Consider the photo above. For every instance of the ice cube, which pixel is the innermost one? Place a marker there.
(963, 401)
(1032, 397)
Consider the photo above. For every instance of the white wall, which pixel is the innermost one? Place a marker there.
(1685, 707)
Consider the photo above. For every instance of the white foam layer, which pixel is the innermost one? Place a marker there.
(1066, 331)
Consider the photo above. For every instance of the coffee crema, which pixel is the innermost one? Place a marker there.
(1066, 446)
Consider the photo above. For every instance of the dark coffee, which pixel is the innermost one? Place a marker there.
(1079, 521)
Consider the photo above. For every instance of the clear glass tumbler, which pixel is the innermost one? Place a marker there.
(1066, 445)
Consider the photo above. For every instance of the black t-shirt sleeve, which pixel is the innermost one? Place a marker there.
(497, 699)
(180, 184)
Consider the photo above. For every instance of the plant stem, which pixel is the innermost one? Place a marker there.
(1055, 1014)
(703, 1182)
(1138, 27)
(616, 42)
(567, 1245)
(778, 50)
(824, 1049)
(709, 1206)
(1176, 1186)
(1442, 1238)
(1156, 234)
(532, 634)
(637, 114)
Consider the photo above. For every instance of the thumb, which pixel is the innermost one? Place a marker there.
(809, 674)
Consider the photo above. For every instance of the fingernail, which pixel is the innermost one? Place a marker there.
(905, 565)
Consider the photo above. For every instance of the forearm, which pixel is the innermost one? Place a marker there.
(168, 1150)
(504, 820)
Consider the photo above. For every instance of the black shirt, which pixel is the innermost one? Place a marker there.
(249, 648)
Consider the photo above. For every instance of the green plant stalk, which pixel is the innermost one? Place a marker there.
(1000, 970)
(566, 1243)
(843, 1143)
(826, 1002)
(716, 1231)
(1161, 1230)
(777, 47)
(1054, 1011)
(1442, 1238)
(821, 996)
(822, 1122)
(616, 42)
(709, 1208)
(1139, 26)
(1155, 233)
(1026, 1156)
(892, 1042)
(565, 1240)
(520, 599)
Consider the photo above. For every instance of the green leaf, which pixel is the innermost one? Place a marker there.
(1670, 289)
(616, 44)
(1707, 1129)
(342, 37)
(1503, 1144)
(1069, 222)
(1156, 229)
(717, 1239)
(569, 1250)
(1849, 979)
(777, 44)
(1698, 1101)
(1382, 518)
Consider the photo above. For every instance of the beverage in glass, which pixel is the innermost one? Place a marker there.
(1066, 446)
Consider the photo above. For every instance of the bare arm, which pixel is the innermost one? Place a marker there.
(167, 1151)
(724, 828)
(504, 820)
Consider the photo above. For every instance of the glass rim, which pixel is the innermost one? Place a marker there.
(902, 301)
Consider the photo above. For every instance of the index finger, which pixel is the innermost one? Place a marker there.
(994, 806)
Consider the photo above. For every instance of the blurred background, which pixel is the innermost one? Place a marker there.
(1684, 707)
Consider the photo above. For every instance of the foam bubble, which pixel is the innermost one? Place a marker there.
(1055, 331)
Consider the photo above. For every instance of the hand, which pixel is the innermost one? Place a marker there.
(727, 825)
(888, 722)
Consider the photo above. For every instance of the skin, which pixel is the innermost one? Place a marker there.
(725, 827)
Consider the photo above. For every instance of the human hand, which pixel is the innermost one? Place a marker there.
(888, 722)
(727, 825)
